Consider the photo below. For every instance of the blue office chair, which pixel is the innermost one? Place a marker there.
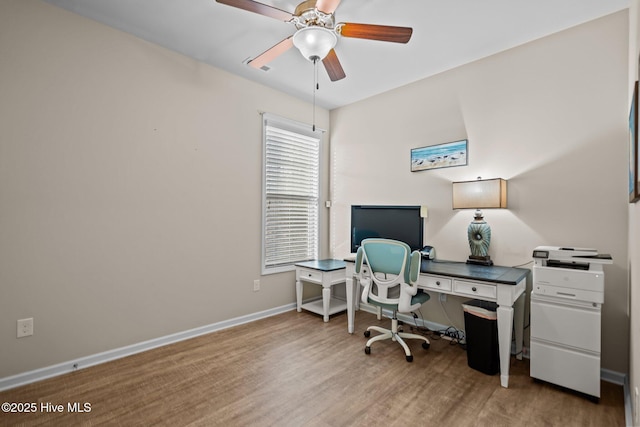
(390, 283)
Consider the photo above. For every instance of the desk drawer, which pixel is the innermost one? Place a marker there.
(436, 283)
(310, 275)
(474, 289)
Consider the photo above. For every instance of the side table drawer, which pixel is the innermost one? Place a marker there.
(436, 283)
(309, 275)
(474, 289)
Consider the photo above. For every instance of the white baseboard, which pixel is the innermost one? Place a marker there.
(628, 408)
(613, 377)
(619, 378)
(107, 356)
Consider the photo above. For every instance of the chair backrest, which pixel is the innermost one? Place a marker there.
(390, 264)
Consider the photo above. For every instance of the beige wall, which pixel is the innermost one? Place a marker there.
(549, 116)
(634, 228)
(130, 189)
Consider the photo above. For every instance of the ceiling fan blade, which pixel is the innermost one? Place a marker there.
(327, 6)
(272, 53)
(383, 33)
(333, 66)
(262, 9)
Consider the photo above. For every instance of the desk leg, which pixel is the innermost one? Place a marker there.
(519, 324)
(350, 303)
(326, 300)
(299, 295)
(505, 325)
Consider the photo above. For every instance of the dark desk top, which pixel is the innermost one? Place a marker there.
(462, 270)
(323, 264)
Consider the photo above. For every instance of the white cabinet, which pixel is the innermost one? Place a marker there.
(566, 327)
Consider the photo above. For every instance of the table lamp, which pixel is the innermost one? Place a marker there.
(480, 194)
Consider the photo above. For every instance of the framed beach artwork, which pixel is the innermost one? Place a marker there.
(439, 156)
(634, 185)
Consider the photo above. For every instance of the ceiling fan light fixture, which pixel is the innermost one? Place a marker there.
(314, 42)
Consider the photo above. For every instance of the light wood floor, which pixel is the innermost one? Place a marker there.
(295, 370)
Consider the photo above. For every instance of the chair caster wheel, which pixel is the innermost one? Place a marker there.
(367, 350)
(367, 334)
(426, 345)
(410, 358)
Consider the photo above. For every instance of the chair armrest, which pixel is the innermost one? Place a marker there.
(365, 282)
(407, 292)
(359, 259)
(414, 267)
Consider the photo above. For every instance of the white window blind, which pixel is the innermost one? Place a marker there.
(291, 193)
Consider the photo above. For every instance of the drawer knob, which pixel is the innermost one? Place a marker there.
(310, 274)
(437, 283)
(474, 289)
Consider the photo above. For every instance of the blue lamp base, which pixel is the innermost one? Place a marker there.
(479, 235)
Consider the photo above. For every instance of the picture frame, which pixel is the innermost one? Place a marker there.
(449, 154)
(634, 185)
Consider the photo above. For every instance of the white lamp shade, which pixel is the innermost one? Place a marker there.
(314, 41)
(480, 194)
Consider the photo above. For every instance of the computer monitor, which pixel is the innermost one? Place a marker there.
(402, 223)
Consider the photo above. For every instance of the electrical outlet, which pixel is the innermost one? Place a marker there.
(25, 327)
(443, 297)
(256, 285)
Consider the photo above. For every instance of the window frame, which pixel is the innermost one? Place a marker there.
(305, 131)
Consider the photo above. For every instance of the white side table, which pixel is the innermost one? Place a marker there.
(326, 272)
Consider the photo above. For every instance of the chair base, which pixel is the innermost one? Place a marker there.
(394, 335)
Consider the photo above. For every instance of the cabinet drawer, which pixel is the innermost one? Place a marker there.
(566, 367)
(474, 289)
(309, 275)
(565, 324)
(436, 283)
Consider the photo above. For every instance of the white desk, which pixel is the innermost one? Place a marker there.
(326, 272)
(504, 285)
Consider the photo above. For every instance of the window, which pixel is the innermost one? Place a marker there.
(290, 193)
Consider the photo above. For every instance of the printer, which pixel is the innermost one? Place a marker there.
(566, 303)
(559, 253)
(569, 273)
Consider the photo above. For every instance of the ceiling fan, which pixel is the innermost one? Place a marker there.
(317, 33)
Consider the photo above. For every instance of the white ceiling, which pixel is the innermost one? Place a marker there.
(446, 34)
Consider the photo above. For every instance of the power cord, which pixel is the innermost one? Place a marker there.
(454, 335)
(522, 265)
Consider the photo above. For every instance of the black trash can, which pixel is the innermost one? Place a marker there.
(481, 332)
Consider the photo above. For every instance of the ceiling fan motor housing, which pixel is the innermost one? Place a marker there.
(307, 15)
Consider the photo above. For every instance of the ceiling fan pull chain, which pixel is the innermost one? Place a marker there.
(316, 86)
